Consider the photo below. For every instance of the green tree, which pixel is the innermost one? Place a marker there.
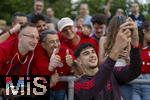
(9, 7)
(62, 8)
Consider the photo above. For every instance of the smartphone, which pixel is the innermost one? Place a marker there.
(126, 13)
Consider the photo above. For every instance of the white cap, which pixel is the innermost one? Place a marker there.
(66, 21)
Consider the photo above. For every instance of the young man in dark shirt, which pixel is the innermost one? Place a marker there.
(102, 83)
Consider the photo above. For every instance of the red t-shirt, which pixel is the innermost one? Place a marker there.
(145, 60)
(41, 63)
(84, 39)
(10, 58)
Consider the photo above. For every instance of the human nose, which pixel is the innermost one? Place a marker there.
(36, 39)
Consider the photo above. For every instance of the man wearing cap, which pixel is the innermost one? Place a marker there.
(68, 35)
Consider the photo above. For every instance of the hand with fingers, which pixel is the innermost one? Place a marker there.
(135, 34)
(15, 28)
(124, 54)
(122, 40)
(69, 59)
(130, 24)
(55, 60)
(77, 68)
(74, 64)
(85, 30)
(54, 79)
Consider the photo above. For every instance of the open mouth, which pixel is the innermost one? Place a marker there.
(33, 45)
(92, 60)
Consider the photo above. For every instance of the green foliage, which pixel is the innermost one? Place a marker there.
(9, 7)
(95, 6)
(147, 8)
(62, 8)
(118, 4)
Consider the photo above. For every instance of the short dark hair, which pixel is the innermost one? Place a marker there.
(18, 14)
(46, 32)
(99, 19)
(81, 48)
(39, 17)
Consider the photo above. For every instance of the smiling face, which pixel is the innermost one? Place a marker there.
(51, 42)
(41, 26)
(29, 38)
(68, 32)
(88, 58)
(99, 29)
(38, 7)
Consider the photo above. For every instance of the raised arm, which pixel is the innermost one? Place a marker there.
(130, 72)
(86, 90)
(107, 8)
(6, 35)
(102, 56)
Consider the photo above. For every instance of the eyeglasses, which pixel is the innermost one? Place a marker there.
(53, 42)
(31, 37)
